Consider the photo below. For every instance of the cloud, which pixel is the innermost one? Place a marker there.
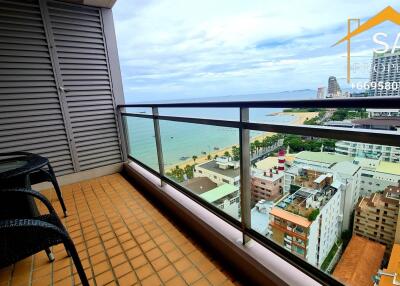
(178, 49)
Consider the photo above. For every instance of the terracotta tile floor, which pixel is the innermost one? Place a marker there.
(122, 239)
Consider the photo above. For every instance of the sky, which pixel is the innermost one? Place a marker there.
(178, 49)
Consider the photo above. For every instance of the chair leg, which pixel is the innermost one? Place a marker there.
(57, 188)
(71, 250)
(50, 254)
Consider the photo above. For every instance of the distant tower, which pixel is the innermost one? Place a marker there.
(333, 87)
(321, 92)
(281, 160)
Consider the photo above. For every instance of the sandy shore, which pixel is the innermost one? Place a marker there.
(300, 117)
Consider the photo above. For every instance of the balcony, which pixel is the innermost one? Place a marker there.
(122, 239)
(134, 217)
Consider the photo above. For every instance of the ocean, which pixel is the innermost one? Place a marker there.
(183, 140)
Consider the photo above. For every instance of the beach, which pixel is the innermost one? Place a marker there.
(299, 118)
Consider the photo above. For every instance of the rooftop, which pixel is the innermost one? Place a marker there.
(213, 167)
(389, 168)
(296, 219)
(260, 216)
(267, 163)
(122, 239)
(199, 185)
(219, 192)
(322, 157)
(393, 267)
(360, 261)
(345, 168)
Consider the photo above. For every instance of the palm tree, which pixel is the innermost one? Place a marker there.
(194, 157)
(257, 144)
(208, 157)
(252, 148)
(226, 154)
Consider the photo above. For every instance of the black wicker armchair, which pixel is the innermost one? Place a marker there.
(22, 237)
(27, 169)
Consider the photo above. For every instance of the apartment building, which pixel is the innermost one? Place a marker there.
(222, 170)
(266, 185)
(376, 112)
(376, 217)
(376, 175)
(385, 68)
(354, 149)
(344, 170)
(308, 221)
(334, 89)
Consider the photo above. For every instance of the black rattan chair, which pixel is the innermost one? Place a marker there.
(23, 237)
(25, 169)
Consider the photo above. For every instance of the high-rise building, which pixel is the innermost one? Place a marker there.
(307, 221)
(321, 92)
(385, 68)
(356, 149)
(376, 217)
(334, 89)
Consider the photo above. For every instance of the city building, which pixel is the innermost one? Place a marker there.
(222, 170)
(319, 159)
(375, 112)
(353, 149)
(226, 197)
(260, 216)
(376, 217)
(307, 222)
(390, 276)
(333, 88)
(385, 68)
(266, 185)
(378, 123)
(359, 262)
(321, 92)
(345, 171)
(376, 175)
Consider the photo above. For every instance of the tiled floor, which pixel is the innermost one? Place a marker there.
(122, 239)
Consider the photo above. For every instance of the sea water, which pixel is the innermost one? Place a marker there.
(181, 141)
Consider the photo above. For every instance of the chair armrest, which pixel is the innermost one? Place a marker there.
(34, 194)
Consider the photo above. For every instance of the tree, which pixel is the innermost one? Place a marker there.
(189, 171)
(236, 153)
(215, 157)
(227, 154)
(257, 145)
(208, 157)
(313, 215)
(252, 148)
(194, 157)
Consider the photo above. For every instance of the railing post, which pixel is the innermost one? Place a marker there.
(245, 173)
(157, 135)
(123, 134)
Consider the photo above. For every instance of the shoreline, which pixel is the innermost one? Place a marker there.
(299, 118)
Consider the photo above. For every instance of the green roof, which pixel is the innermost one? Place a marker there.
(218, 193)
(389, 168)
(323, 157)
(346, 167)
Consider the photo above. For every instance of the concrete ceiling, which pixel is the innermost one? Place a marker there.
(95, 3)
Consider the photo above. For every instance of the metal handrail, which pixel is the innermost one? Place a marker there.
(243, 125)
(385, 102)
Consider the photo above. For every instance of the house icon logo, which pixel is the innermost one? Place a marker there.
(387, 14)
